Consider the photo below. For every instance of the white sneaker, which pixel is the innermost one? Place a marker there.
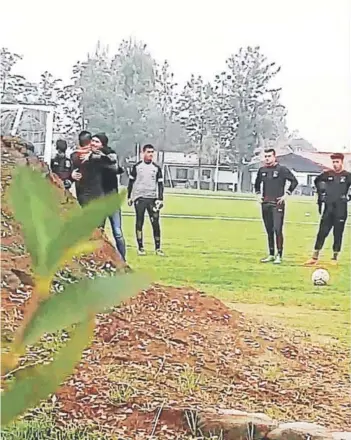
(160, 252)
(277, 260)
(141, 252)
(268, 259)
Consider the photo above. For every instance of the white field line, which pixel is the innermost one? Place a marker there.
(209, 217)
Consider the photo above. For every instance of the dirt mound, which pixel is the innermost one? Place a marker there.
(171, 349)
(178, 348)
(15, 261)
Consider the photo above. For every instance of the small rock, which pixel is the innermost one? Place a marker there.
(300, 431)
(235, 425)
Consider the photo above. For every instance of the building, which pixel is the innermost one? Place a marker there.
(323, 158)
(181, 170)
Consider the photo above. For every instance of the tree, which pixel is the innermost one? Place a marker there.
(118, 95)
(248, 85)
(194, 113)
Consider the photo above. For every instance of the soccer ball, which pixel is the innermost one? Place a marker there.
(320, 277)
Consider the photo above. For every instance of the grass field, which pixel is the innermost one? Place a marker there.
(222, 257)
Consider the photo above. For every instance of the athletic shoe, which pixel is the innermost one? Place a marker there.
(141, 252)
(160, 252)
(268, 259)
(277, 260)
(311, 262)
(334, 262)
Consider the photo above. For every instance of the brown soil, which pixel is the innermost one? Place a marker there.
(169, 349)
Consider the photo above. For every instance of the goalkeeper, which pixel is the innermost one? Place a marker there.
(145, 190)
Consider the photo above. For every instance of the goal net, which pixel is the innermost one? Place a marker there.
(33, 123)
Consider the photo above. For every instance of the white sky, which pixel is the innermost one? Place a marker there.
(310, 39)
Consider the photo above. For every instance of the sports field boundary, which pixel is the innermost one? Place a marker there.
(220, 218)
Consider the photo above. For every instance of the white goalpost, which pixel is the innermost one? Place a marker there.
(34, 123)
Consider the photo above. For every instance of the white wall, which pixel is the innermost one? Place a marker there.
(227, 177)
(302, 178)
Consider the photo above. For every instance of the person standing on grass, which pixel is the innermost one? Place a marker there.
(270, 188)
(110, 169)
(145, 190)
(333, 192)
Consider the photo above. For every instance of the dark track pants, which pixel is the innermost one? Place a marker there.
(334, 217)
(141, 205)
(273, 219)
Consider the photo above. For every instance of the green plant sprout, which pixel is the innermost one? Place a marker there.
(51, 241)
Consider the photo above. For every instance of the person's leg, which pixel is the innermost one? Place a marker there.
(340, 219)
(325, 226)
(116, 225)
(155, 223)
(139, 222)
(267, 216)
(278, 223)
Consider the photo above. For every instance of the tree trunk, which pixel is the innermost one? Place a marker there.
(200, 155)
(199, 172)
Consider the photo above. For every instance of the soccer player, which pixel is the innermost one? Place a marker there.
(332, 189)
(61, 165)
(110, 169)
(146, 187)
(273, 178)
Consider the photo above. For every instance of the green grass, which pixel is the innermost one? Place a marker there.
(221, 257)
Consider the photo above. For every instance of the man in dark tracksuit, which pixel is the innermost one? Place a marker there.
(273, 177)
(332, 189)
(110, 169)
(62, 165)
(86, 170)
(145, 189)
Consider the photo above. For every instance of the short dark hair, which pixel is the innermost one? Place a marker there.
(336, 156)
(148, 147)
(61, 144)
(84, 138)
(270, 150)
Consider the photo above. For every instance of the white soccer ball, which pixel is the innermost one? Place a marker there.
(320, 277)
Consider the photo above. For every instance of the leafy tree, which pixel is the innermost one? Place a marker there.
(248, 84)
(195, 109)
(171, 133)
(117, 95)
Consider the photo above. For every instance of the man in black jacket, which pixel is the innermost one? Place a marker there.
(110, 169)
(87, 170)
(61, 165)
(273, 177)
(332, 189)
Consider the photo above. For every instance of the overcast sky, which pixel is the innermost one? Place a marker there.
(310, 39)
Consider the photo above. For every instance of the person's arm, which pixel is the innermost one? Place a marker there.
(320, 184)
(120, 170)
(132, 179)
(258, 182)
(348, 192)
(293, 181)
(160, 185)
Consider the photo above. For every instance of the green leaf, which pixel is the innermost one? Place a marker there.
(41, 381)
(80, 225)
(79, 301)
(34, 202)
